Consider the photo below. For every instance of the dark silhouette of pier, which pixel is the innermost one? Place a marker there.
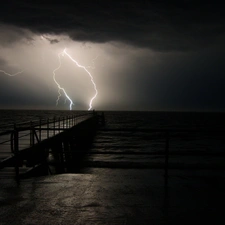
(39, 147)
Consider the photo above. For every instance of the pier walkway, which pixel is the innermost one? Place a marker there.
(29, 145)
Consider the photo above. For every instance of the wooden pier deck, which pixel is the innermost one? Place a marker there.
(30, 148)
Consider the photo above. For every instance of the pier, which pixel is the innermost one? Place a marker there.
(31, 148)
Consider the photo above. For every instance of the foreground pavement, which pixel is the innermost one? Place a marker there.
(115, 197)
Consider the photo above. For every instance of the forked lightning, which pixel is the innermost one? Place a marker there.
(64, 52)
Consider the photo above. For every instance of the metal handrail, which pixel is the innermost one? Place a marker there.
(37, 122)
(52, 124)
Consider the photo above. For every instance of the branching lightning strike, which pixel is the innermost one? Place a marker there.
(11, 75)
(58, 85)
(62, 89)
(93, 63)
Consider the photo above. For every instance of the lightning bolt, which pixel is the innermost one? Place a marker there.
(93, 63)
(11, 75)
(58, 85)
(80, 66)
(61, 89)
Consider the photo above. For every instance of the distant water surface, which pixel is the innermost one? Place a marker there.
(9, 117)
(136, 145)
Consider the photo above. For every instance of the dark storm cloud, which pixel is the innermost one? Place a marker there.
(11, 34)
(159, 25)
(51, 40)
(183, 82)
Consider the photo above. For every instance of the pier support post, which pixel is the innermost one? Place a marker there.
(103, 119)
(48, 128)
(67, 155)
(54, 125)
(16, 152)
(59, 125)
(31, 134)
(167, 157)
(66, 122)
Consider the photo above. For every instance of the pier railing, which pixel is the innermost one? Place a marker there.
(27, 134)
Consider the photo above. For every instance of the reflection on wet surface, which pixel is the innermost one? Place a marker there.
(115, 196)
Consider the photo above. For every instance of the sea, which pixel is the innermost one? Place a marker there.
(138, 139)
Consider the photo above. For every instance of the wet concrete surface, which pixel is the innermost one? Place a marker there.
(115, 197)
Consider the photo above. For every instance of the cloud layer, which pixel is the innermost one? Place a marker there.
(159, 25)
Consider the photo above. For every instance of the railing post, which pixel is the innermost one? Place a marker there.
(54, 125)
(40, 129)
(59, 125)
(103, 119)
(167, 156)
(31, 134)
(16, 152)
(48, 128)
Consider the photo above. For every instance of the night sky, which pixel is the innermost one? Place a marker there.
(143, 55)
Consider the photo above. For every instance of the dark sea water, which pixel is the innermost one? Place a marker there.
(129, 141)
(9, 117)
(195, 139)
